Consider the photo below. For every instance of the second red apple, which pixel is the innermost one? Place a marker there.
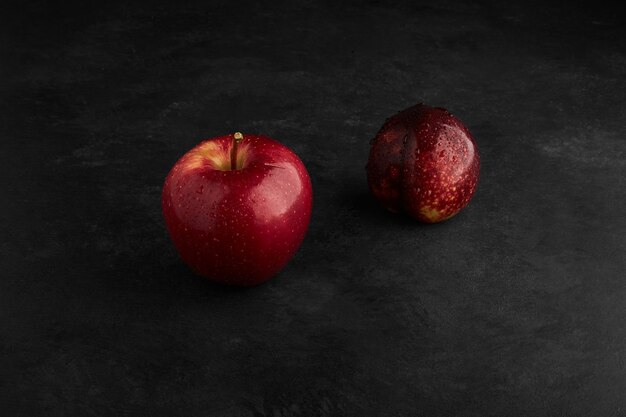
(423, 162)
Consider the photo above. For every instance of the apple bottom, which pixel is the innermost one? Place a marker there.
(248, 258)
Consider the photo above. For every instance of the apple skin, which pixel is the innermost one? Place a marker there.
(423, 162)
(237, 227)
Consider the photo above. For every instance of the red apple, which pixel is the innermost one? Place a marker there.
(423, 162)
(237, 207)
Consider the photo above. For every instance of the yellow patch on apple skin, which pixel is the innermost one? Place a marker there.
(213, 155)
(242, 155)
(193, 162)
(433, 215)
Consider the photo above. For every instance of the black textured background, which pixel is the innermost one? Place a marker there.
(516, 307)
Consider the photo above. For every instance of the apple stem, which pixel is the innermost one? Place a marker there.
(237, 137)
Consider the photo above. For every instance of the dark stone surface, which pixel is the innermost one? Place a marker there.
(516, 307)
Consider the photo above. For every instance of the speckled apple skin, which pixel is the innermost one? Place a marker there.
(423, 162)
(238, 227)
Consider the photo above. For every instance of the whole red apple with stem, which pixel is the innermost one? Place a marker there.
(237, 207)
(423, 162)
